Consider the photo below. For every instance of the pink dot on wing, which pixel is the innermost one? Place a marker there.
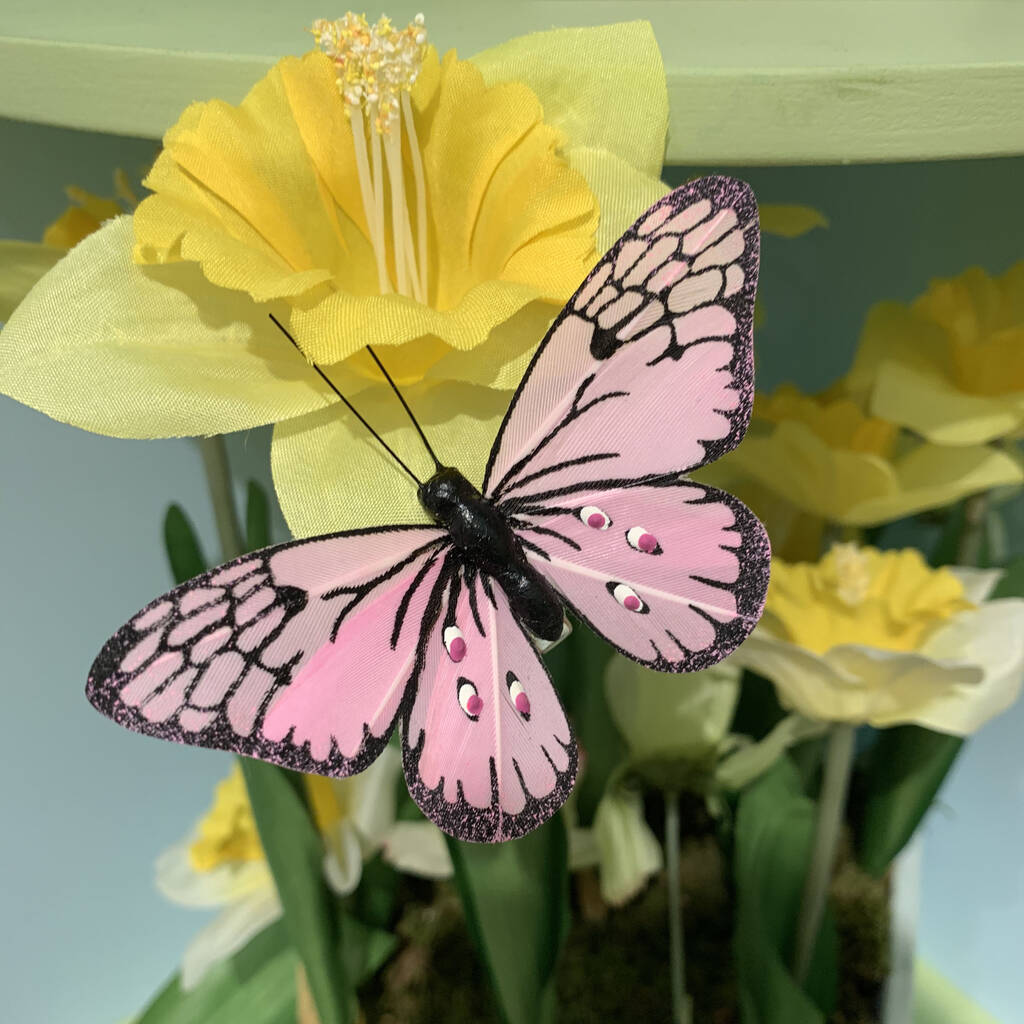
(647, 542)
(474, 705)
(522, 703)
(457, 650)
(632, 603)
(596, 520)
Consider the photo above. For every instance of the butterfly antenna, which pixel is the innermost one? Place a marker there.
(405, 406)
(351, 408)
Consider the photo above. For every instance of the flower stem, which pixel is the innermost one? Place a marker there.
(218, 479)
(831, 807)
(969, 548)
(681, 1005)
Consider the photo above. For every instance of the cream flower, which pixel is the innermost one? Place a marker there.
(448, 240)
(951, 366)
(824, 456)
(222, 863)
(879, 637)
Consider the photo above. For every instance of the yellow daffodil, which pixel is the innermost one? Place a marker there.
(222, 864)
(951, 365)
(879, 637)
(22, 264)
(824, 456)
(370, 192)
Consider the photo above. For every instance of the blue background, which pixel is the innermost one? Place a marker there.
(86, 806)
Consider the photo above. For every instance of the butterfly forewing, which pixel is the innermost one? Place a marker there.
(648, 370)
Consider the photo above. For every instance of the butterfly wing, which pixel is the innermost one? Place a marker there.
(299, 654)
(672, 573)
(648, 370)
(487, 748)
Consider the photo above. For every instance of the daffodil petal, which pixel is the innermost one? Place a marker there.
(628, 851)
(418, 848)
(373, 798)
(22, 264)
(923, 399)
(180, 882)
(343, 858)
(624, 112)
(790, 220)
(622, 191)
(229, 932)
(992, 637)
(148, 352)
(977, 583)
(330, 474)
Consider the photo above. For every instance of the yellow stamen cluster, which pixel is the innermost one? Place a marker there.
(227, 832)
(376, 63)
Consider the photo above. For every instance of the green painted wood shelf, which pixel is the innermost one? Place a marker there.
(750, 81)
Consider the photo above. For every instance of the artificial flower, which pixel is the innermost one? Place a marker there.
(880, 637)
(951, 365)
(222, 864)
(620, 844)
(823, 455)
(22, 264)
(483, 200)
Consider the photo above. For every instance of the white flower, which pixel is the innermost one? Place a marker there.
(221, 864)
(878, 637)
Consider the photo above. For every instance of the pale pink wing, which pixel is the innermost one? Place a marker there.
(298, 654)
(648, 370)
(488, 751)
(672, 573)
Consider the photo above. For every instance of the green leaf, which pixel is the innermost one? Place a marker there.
(182, 545)
(900, 776)
(577, 666)
(774, 834)
(264, 970)
(295, 855)
(516, 899)
(257, 517)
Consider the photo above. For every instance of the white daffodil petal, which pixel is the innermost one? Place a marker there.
(227, 934)
(181, 883)
(805, 682)
(343, 861)
(993, 637)
(977, 583)
(628, 850)
(373, 796)
(418, 848)
(583, 851)
(897, 687)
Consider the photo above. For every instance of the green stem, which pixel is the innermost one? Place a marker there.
(969, 548)
(681, 1006)
(218, 479)
(831, 807)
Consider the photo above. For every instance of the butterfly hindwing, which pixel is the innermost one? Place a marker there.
(649, 369)
(488, 750)
(672, 573)
(211, 663)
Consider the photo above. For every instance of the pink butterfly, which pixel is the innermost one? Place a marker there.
(309, 654)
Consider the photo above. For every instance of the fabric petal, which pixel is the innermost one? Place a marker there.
(181, 883)
(148, 352)
(418, 848)
(628, 851)
(330, 474)
(622, 191)
(992, 637)
(569, 70)
(21, 265)
(343, 860)
(373, 796)
(229, 932)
